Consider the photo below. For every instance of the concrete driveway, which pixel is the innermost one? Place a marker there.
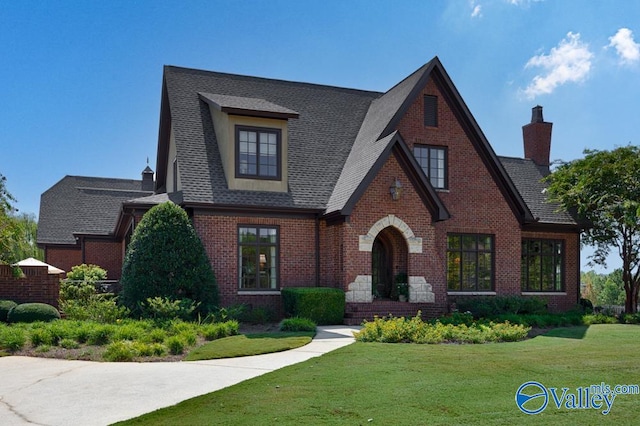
(39, 391)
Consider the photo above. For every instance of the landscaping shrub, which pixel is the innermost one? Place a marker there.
(297, 324)
(219, 330)
(414, 330)
(69, 344)
(100, 334)
(232, 312)
(79, 299)
(163, 308)
(12, 338)
(176, 345)
(488, 306)
(599, 319)
(5, 307)
(630, 318)
(121, 351)
(258, 315)
(167, 259)
(320, 304)
(31, 312)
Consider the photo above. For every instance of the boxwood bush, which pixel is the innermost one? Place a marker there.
(31, 312)
(322, 305)
(5, 307)
(489, 306)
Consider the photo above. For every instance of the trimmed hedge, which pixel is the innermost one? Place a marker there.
(489, 306)
(322, 305)
(32, 312)
(5, 307)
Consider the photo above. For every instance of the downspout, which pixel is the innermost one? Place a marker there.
(578, 296)
(317, 249)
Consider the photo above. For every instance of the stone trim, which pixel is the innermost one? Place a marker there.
(360, 290)
(414, 243)
(420, 291)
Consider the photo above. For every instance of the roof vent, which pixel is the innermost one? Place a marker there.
(147, 179)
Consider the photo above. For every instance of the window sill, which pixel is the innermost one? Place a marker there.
(544, 293)
(445, 190)
(471, 293)
(258, 292)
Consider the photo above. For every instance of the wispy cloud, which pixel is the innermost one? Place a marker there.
(628, 50)
(570, 61)
(476, 9)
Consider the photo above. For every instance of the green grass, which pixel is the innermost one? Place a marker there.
(250, 344)
(409, 384)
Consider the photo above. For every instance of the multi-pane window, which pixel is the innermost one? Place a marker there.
(431, 111)
(542, 265)
(470, 262)
(258, 152)
(433, 161)
(258, 257)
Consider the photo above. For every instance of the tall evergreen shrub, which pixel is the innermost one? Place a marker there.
(167, 259)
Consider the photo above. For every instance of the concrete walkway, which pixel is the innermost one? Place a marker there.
(39, 391)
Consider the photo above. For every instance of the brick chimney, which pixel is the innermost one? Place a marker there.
(537, 138)
(147, 179)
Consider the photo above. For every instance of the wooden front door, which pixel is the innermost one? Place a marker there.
(381, 269)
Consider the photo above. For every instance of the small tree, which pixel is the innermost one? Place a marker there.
(604, 189)
(167, 259)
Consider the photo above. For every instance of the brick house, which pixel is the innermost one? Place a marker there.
(296, 184)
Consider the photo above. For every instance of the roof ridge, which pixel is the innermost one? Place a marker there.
(275, 80)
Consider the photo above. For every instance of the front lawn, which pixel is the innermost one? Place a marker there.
(410, 384)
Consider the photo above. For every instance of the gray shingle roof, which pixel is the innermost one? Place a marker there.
(527, 178)
(239, 104)
(320, 140)
(84, 205)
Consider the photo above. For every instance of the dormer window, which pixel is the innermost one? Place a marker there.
(258, 153)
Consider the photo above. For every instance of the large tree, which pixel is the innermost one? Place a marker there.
(7, 222)
(167, 259)
(604, 189)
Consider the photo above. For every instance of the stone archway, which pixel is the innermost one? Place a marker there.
(389, 257)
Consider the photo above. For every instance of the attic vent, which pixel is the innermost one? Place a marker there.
(431, 111)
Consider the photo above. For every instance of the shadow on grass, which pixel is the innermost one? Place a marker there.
(279, 334)
(577, 332)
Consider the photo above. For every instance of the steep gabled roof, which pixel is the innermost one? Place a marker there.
(320, 139)
(83, 205)
(527, 177)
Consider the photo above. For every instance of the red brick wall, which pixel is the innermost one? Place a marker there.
(63, 258)
(473, 198)
(36, 286)
(105, 254)
(219, 235)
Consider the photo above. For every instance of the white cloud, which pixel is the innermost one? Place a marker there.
(477, 11)
(628, 50)
(570, 61)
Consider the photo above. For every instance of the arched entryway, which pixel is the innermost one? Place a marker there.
(388, 259)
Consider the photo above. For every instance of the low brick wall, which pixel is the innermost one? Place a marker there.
(37, 285)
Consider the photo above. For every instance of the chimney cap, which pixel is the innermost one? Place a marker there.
(536, 114)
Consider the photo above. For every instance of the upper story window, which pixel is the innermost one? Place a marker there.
(430, 111)
(433, 160)
(258, 153)
(542, 265)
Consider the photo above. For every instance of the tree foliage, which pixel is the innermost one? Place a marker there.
(167, 259)
(603, 289)
(18, 232)
(604, 189)
(7, 224)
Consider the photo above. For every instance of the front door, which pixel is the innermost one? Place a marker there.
(381, 269)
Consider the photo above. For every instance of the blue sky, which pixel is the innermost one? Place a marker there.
(80, 81)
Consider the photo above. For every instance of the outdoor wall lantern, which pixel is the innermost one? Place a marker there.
(396, 190)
